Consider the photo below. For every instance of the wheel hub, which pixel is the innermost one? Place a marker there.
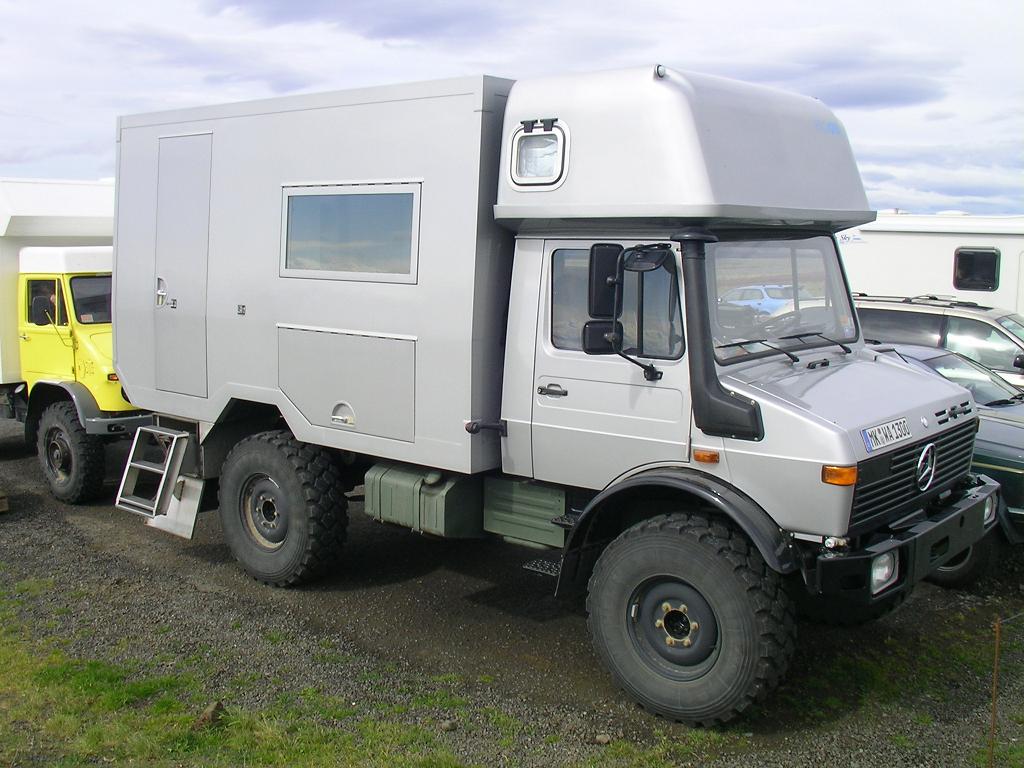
(673, 627)
(264, 511)
(677, 625)
(58, 454)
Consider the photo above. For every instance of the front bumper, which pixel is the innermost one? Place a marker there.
(116, 425)
(921, 549)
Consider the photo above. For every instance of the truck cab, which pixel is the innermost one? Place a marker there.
(69, 395)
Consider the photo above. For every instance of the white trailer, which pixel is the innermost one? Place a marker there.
(469, 296)
(969, 258)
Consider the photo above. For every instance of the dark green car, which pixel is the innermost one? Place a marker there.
(998, 453)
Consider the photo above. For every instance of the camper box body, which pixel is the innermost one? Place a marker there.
(389, 365)
(395, 366)
(914, 255)
(36, 212)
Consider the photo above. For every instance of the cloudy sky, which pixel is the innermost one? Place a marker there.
(931, 93)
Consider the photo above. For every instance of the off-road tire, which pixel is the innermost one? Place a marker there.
(970, 566)
(306, 490)
(71, 459)
(713, 562)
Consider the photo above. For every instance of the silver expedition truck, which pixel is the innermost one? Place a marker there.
(503, 308)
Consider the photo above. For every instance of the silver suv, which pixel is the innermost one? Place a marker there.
(990, 336)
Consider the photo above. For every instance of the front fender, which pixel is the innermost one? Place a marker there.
(771, 541)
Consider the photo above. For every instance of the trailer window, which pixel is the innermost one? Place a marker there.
(658, 333)
(355, 232)
(976, 269)
(538, 156)
(46, 301)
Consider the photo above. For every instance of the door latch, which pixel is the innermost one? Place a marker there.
(555, 390)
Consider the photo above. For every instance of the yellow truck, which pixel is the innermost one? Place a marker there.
(66, 391)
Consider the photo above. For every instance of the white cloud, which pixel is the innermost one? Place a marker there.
(932, 93)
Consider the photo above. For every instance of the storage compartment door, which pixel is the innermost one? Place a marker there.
(182, 239)
(351, 382)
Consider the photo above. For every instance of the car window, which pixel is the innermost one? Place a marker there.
(982, 343)
(984, 385)
(900, 327)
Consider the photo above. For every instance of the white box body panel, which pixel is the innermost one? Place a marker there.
(428, 345)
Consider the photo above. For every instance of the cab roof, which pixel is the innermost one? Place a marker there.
(71, 260)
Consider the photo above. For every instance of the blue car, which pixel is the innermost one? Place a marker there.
(763, 299)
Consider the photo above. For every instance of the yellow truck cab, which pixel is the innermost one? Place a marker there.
(69, 396)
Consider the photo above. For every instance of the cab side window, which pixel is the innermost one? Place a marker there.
(46, 303)
(656, 332)
(982, 343)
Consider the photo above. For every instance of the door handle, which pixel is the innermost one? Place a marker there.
(555, 390)
(161, 292)
(24, 337)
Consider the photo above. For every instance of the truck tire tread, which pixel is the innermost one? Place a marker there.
(774, 611)
(89, 467)
(324, 502)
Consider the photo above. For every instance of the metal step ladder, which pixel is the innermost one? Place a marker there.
(152, 486)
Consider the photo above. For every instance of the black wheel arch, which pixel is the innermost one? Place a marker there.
(46, 393)
(659, 491)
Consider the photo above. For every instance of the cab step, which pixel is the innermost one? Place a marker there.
(544, 566)
(152, 485)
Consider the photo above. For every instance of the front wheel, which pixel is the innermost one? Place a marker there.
(689, 619)
(72, 460)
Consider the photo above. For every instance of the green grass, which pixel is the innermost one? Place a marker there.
(59, 710)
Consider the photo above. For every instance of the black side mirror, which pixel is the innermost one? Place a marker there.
(602, 337)
(1018, 361)
(604, 268)
(646, 258)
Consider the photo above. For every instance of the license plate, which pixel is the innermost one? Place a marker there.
(886, 434)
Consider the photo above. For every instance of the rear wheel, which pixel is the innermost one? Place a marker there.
(689, 619)
(71, 459)
(283, 508)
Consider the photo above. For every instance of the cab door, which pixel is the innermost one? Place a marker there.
(596, 416)
(45, 343)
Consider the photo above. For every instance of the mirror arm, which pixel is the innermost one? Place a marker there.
(650, 372)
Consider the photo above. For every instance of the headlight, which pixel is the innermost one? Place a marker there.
(990, 509)
(884, 570)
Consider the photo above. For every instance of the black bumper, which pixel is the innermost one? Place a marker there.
(920, 548)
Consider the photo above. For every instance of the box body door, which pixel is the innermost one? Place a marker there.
(595, 417)
(182, 248)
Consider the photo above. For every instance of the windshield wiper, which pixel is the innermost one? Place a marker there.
(1003, 401)
(762, 342)
(805, 334)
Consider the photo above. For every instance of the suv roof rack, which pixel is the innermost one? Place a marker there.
(931, 299)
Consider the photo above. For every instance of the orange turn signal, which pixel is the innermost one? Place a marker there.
(112, 377)
(839, 475)
(706, 457)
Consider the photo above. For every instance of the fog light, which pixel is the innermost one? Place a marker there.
(884, 570)
(990, 509)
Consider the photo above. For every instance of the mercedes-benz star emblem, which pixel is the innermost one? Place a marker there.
(926, 467)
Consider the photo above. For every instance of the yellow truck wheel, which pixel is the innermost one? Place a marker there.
(72, 460)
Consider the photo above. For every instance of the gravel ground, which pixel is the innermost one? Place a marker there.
(406, 615)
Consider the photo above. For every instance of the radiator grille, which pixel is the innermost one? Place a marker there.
(887, 484)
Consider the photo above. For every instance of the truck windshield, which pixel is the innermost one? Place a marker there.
(767, 296)
(91, 299)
